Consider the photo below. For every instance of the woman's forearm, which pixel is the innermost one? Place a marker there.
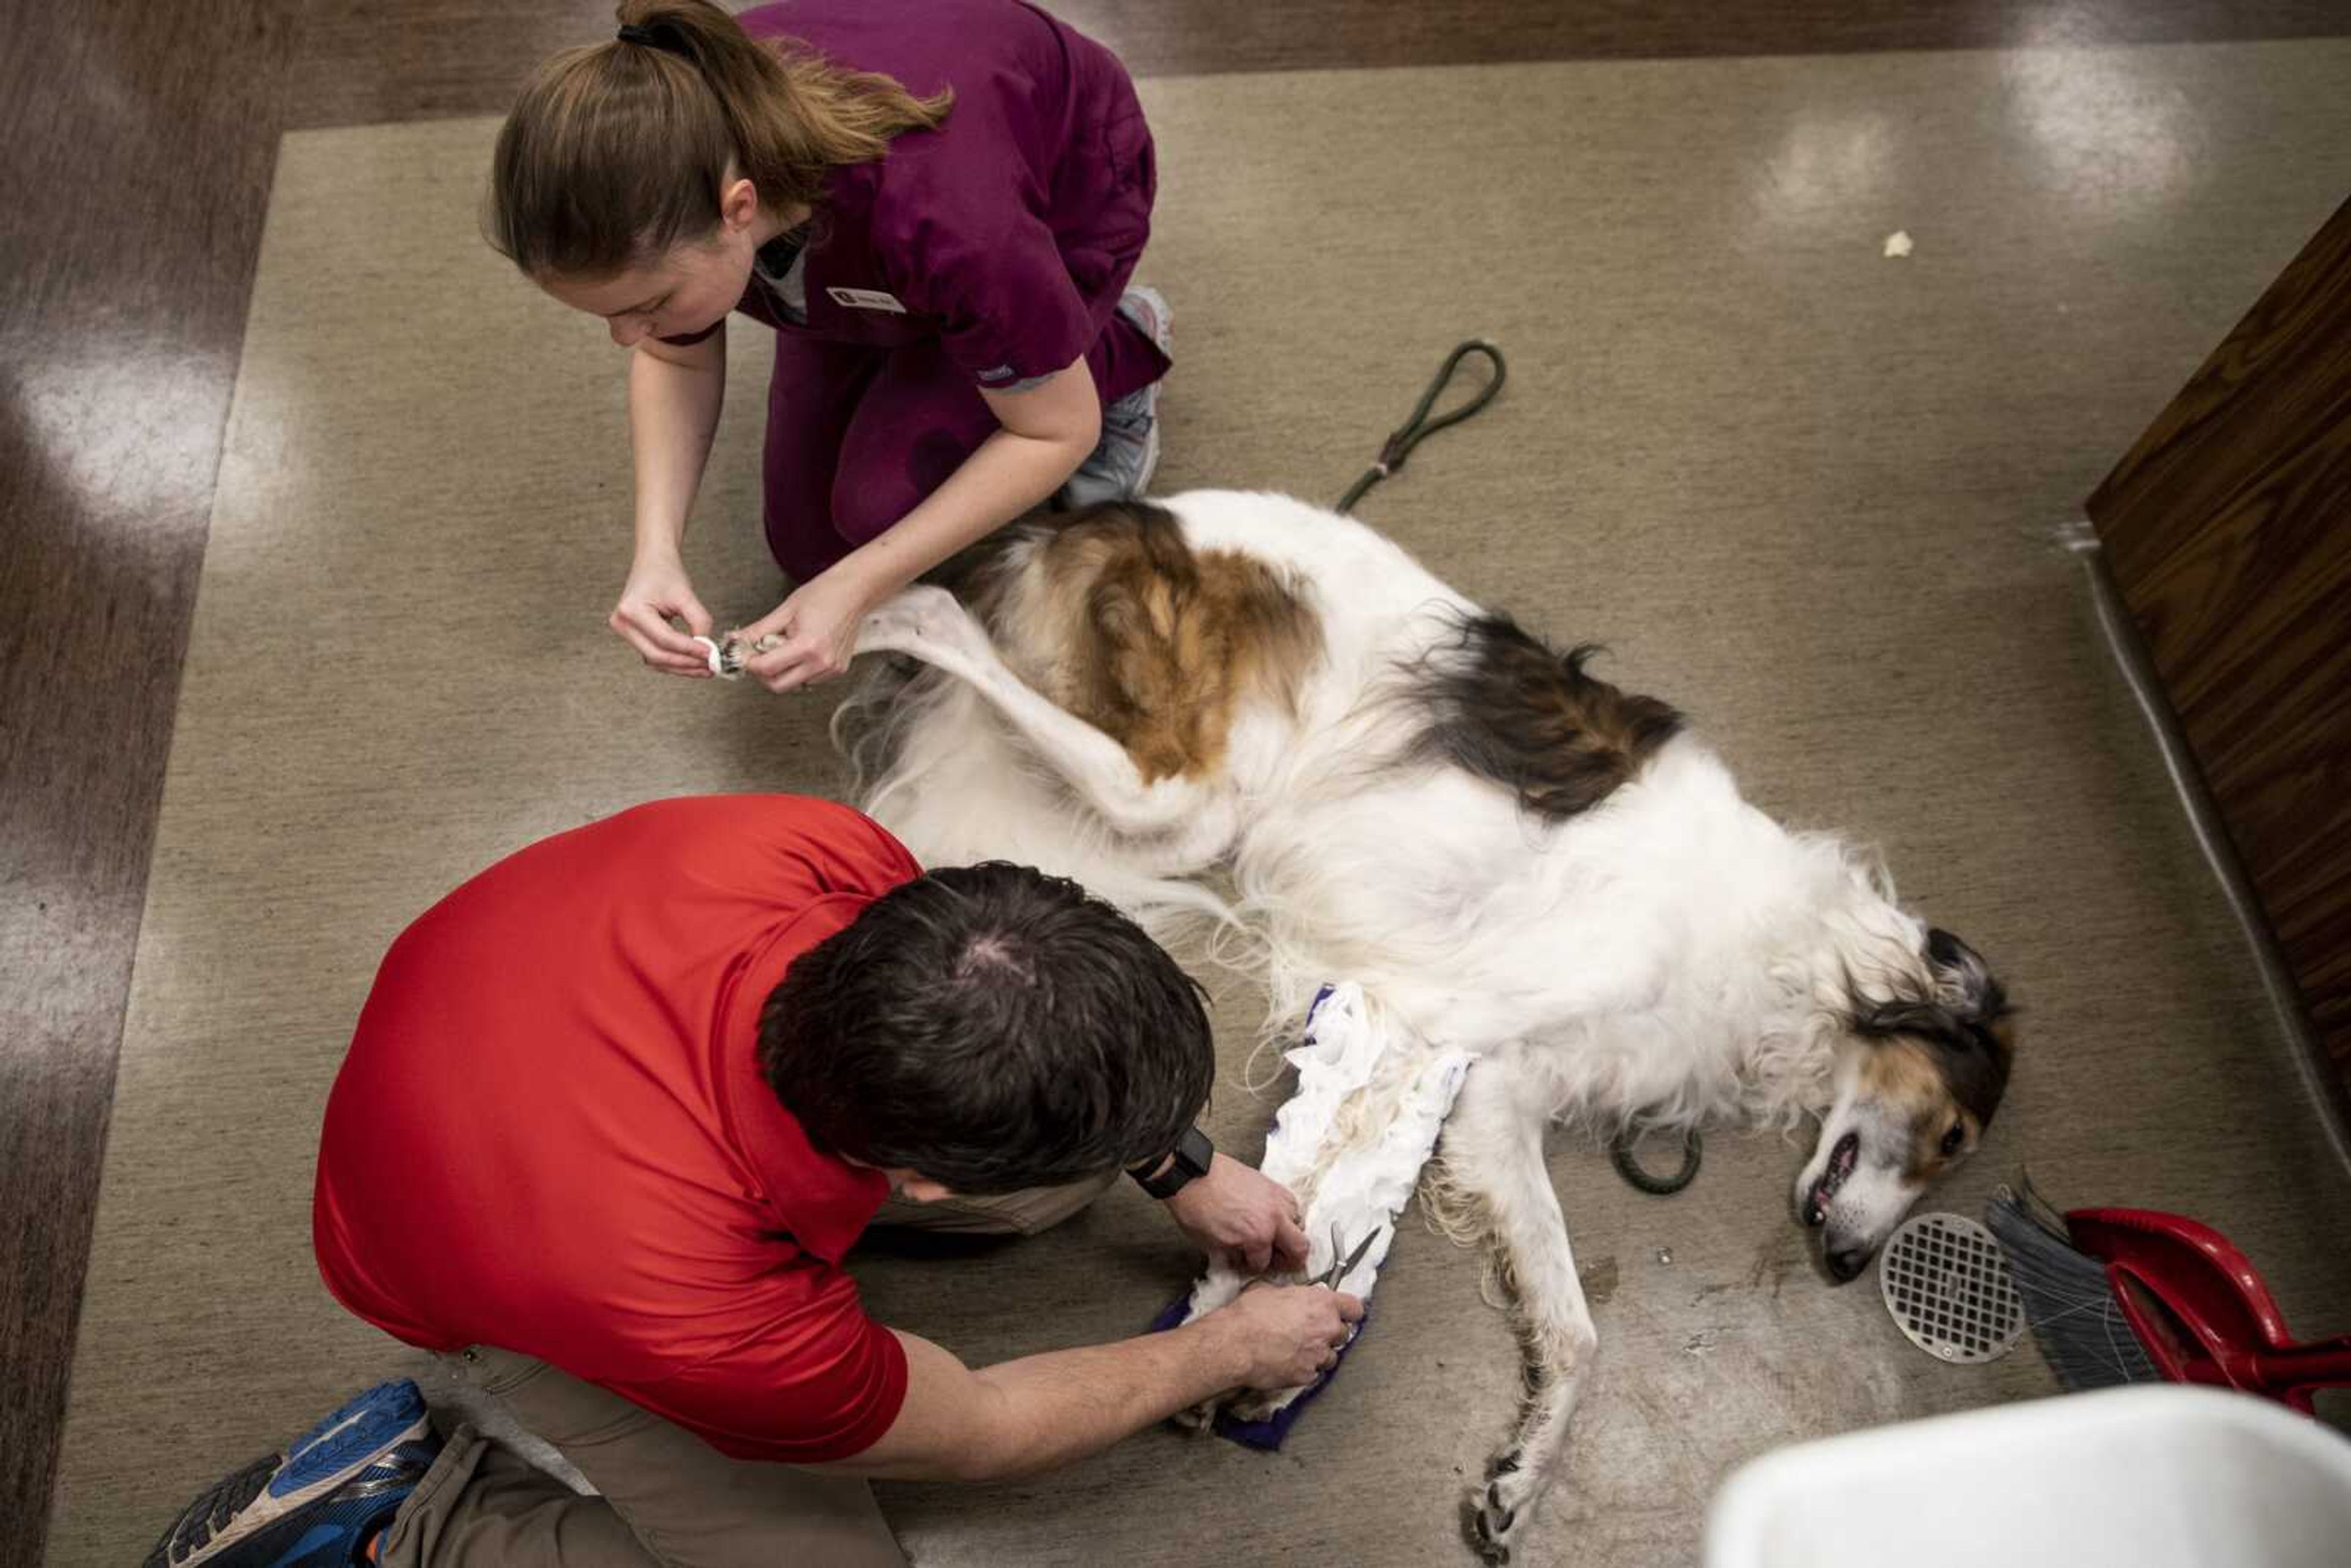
(1005, 475)
(674, 407)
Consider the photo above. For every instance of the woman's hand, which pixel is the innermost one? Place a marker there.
(657, 589)
(1241, 1216)
(815, 630)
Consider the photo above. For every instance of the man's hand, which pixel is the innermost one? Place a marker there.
(1289, 1334)
(1241, 1217)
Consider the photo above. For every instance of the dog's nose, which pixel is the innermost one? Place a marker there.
(1848, 1264)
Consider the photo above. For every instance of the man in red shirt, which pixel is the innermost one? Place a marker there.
(614, 1113)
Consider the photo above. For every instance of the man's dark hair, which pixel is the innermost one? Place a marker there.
(991, 1028)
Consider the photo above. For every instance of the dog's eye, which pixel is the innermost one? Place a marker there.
(1953, 1139)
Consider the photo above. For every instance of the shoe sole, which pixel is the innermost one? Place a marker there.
(323, 1458)
(366, 1427)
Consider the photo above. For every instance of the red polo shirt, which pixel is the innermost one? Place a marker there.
(551, 1134)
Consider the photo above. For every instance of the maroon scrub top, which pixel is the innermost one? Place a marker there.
(1005, 234)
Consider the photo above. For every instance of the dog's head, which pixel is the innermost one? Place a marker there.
(1917, 1079)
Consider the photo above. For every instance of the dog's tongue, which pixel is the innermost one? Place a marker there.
(1840, 1163)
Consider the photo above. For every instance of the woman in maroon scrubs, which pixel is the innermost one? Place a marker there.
(937, 204)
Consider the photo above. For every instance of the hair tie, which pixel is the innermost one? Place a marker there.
(646, 37)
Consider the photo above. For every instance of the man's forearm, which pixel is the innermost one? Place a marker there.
(1062, 1406)
(1028, 1415)
(1021, 1417)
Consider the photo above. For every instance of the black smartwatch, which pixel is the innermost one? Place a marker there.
(1189, 1158)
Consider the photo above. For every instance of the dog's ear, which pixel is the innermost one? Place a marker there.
(1964, 982)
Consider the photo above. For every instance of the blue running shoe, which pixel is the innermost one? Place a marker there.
(1123, 461)
(318, 1504)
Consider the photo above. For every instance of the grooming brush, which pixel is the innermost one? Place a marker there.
(2130, 1295)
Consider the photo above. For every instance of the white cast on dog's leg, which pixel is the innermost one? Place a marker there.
(929, 624)
(1494, 1171)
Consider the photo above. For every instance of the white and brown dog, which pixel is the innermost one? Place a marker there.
(1510, 855)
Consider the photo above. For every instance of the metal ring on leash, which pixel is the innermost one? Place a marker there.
(1418, 427)
(1620, 1154)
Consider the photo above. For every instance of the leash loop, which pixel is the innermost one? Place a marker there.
(1620, 1156)
(1420, 426)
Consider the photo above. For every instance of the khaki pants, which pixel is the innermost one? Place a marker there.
(669, 1499)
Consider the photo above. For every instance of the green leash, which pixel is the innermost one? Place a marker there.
(1415, 429)
(1419, 427)
(1620, 1154)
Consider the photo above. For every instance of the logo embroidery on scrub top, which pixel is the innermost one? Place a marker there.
(867, 300)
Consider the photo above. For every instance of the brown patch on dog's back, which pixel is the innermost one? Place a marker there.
(1154, 643)
(1509, 709)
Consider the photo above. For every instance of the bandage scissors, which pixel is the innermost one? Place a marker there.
(1329, 1279)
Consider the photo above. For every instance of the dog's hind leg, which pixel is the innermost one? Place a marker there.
(929, 624)
(1492, 1185)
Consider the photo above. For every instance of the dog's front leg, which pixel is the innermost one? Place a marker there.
(1493, 1176)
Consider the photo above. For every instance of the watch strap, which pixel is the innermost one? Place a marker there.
(1189, 1158)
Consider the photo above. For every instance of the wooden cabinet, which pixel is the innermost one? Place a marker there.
(2228, 531)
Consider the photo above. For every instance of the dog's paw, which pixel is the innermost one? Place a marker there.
(920, 619)
(1258, 1405)
(1197, 1419)
(1492, 1514)
(1221, 1286)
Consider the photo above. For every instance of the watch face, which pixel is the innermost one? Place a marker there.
(1194, 1152)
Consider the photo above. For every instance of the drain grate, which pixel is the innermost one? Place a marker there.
(1947, 1284)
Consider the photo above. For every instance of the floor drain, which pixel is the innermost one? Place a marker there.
(1947, 1284)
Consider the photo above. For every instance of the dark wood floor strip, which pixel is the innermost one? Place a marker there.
(364, 62)
(139, 149)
